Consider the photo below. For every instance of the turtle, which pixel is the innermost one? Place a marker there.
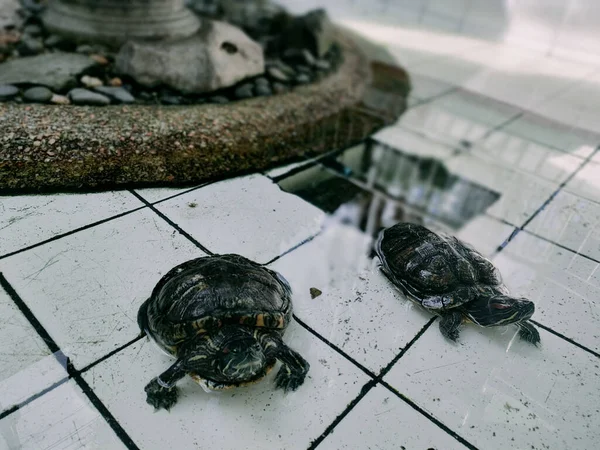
(451, 279)
(223, 318)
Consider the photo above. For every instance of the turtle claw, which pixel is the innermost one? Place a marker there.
(288, 380)
(529, 333)
(160, 397)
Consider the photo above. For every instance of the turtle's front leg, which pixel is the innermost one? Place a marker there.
(161, 392)
(294, 367)
(450, 324)
(529, 333)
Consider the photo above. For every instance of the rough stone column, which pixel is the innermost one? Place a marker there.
(113, 22)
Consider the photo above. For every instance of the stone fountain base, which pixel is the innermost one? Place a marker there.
(66, 148)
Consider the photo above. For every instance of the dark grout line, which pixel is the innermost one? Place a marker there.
(568, 339)
(69, 233)
(417, 408)
(502, 125)
(61, 358)
(111, 353)
(305, 241)
(24, 403)
(546, 203)
(364, 391)
(334, 347)
(173, 224)
(589, 258)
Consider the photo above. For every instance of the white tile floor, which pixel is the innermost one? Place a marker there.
(75, 269)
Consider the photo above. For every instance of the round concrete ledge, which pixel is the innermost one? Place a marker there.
(66, 148)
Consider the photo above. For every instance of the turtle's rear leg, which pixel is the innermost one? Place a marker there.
(294, 367)
(529, 333)
(450, 324)
(161, 392)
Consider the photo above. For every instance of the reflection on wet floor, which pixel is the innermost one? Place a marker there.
(373, 186)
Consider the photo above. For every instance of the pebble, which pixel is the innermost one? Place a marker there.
(84, 49)
(304, 69)
(8, 91)
(277, 74)
(302, 79)
(33, 30)
(244, 91)
(262, 81)
(218, 99)
(84, 97)
(91, 82)
(100, 59)
(263, 90)
(279, 88)
(299, 56)
(29, 46)
(116, 82)
(170, 99)
(119, 94)
(60, 100)
(38, 94)
(322, 64)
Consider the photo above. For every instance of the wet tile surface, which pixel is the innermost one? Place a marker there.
(26, 364)
(501, 394)
(256, 417)
(382, 421)
(586, 183)
(61, 419)
(86, 288)
(25, 221)
(565, 286)
(249, 215)
(571, 221)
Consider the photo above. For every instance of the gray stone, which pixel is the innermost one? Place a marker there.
(119, 94)
(33, 30)
(263, 90)
(313, 31)
(84, 97)
(262, 81)
(302, 79)
(8, 14)
(280, 88)
(38, 94)
(303, 69)
(322, 64)
(170, 99)
(277, 74)
(8, 91)
(219, 56)
(299, 56)
(245, 91)
(29, 46)
(56, 71)
(218, 99)
(84, 49)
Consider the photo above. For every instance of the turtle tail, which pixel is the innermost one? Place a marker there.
(142, 318)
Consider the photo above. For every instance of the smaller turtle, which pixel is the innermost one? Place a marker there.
(223, 318)
(451, 279)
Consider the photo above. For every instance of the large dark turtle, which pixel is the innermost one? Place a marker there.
(223, 318)
(450, 279)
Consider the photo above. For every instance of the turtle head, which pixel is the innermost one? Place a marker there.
(499, 310)
(229, 355)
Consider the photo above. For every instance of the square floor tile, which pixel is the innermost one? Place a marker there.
(27, 220)
(26, 365)
(248, 215)
(586, 183)
(553, 134)
(382, 421)
(61, 419)
(359, 310)
(571, 221)
(485, 234)
(565, 286)
(526, 156)
(86, 288)
(257, 417)
(410, 142)
(503, 394)
(521, 194)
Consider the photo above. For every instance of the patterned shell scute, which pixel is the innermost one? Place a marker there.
(437, 271)
(216, 286)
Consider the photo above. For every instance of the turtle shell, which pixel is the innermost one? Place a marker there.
(435, 270)
(208, 292)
